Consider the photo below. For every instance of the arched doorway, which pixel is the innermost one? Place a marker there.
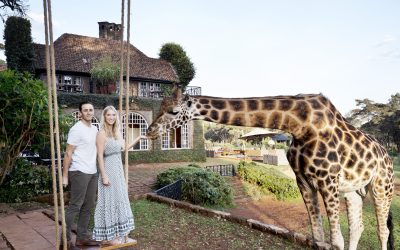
(137, 126)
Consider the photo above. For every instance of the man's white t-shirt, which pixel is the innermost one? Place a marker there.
(84, 140)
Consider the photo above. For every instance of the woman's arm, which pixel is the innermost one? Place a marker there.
(133, 143)
(100, 142)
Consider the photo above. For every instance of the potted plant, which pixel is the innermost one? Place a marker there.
(105, 72)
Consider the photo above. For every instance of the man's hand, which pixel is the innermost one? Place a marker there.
(65, 181)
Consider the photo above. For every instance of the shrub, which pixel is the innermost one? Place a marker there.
(199, 186)
(25, 182)
(206, 188)
(172, 175)
(269, 180)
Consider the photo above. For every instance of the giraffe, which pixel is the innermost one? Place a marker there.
(328, 155)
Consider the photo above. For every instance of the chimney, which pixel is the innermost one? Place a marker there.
(109, 30)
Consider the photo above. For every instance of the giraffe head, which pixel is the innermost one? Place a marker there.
(175, 111)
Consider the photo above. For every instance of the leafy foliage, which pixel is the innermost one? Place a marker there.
(23, 116)
(200, 186)
(24, 182)
(105, 71)
(219, 134)
(224, 134)
(18, 44)
(281, 187)
(17, 7)
(172, 175)
(176, 55)
(380, 120)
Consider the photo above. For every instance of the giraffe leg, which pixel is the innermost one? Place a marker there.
(331, 200)
(310, 197)
(382, 203)
(354, 205)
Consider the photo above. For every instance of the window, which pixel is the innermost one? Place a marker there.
(69, 83)
(77, 117)
(137, 126)
(68, 80)
(176, 138)
(150, 89)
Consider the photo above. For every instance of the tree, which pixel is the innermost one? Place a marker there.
(105, 72)
(380, 120)
(18, 44)
(23, 117)
(17, 7)
(176, 55)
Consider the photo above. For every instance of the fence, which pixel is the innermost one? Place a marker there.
(173, 191)
(223, 170)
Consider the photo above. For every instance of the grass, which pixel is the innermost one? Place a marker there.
(159, 226)
(369, 238)
(396, 166)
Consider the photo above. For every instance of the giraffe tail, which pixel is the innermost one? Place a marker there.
(390, 243)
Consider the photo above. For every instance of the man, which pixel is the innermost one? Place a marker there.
(80, 172)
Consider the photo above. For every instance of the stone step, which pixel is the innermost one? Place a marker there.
(20, 234)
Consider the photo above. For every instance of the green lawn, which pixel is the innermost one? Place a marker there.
(162, 227)
(369, 238)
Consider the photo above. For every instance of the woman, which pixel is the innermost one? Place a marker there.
(113, 219)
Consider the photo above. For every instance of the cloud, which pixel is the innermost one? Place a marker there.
(39, 19)
(386, 50)
(386, 41)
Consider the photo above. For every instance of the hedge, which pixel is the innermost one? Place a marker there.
(270, 180)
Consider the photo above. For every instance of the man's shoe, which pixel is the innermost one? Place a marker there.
(87, 242)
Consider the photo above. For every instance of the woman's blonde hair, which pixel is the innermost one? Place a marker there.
(111, 130)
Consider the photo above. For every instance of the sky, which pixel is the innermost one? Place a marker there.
(346, 50)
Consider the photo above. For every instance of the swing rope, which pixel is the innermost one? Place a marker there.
(127, 90)
(121, 73)
(52, 100)
(50, 109)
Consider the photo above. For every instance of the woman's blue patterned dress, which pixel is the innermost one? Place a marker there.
(113, 215)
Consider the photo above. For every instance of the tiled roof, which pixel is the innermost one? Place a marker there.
(76, 53)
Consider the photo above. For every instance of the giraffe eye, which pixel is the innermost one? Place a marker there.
(173, 112)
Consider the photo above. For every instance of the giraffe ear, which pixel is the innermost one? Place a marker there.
(176, 92)
(187, 100)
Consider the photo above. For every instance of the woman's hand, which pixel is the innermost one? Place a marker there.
(105, 180)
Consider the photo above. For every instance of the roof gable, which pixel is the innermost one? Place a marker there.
(75, 53)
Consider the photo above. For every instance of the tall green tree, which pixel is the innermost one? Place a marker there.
(24, 118)
(379, 119)
(17, 7)
(176, 55)
(18, 44)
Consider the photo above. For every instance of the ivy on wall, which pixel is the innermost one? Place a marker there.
(72, 100)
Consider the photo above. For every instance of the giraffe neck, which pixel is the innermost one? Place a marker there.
(302, 115)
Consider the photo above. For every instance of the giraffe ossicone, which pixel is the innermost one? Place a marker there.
(328, 155)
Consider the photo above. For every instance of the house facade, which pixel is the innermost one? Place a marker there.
(75, 55)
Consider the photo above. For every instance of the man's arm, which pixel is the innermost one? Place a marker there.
(67, 162)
